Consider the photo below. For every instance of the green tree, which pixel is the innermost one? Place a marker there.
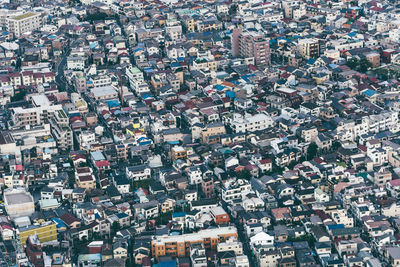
(312, 151)
(245, 174)
(352, 63)
(18, 96)
(116, 226)
(364, 65)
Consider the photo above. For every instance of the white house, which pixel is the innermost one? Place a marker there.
(321, 196)
(262, 239)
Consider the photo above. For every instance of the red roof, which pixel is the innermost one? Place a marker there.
(102, 163)
(68, 218)
(265, 161)
(395, 182)
(19, 167)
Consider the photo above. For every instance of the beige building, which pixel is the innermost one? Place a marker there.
(18, 203)
(308, 48)
(24, 23)
(212, 129)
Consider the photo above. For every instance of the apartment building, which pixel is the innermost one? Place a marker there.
(45, 232)
(137, 173)
(24, 23)
(18, 202)
(308, 48)
(33, 116)
(179, 245)
(61, 130)
(233, 190)
(250, 123)
(212, 131)
(251, 44)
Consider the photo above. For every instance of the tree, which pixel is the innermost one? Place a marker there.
(116, 226)
(96, 16)
(18, 96)
(365, 65)
(245, 175)
(178, 122)
(352, 63)
(312, 151)
(336, 145)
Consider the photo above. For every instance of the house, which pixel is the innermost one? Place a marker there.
(120, 249)
(262, 239)
(121, 183)
(219, 214)
(137, 173)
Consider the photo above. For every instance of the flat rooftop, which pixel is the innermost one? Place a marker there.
(18, 198)
(24, 16)
(207, 233)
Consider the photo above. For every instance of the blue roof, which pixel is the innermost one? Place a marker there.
(175, 64)
(219, 87)
(311, 61)
(178, 214)
(146, 96)
(369, 92)
(113, 103)
(352, 34)
(335, 226)
(59, 222)
(173, 142)
(245, 78)
(168, 264)
(230, 94)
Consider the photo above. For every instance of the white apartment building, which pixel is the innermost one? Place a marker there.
(234, 190)
(194, 175)
(340, 216)
(250, 123)
(61, 130)
(231, 245)
(24, 23)
(350, 130)
(101, 81)
(33, 116)
(75, 63)
(86, 138)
